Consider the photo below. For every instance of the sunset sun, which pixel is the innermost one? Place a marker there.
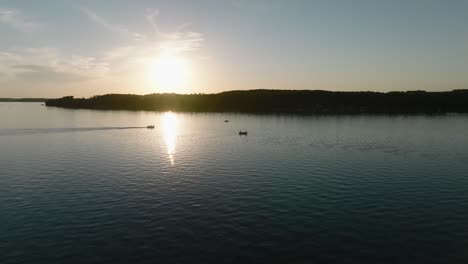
(170, 73)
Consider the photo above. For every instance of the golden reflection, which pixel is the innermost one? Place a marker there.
(170, 130)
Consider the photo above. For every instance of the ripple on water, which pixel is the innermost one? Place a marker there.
(296, 190)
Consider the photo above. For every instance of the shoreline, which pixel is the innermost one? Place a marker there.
(297, 102)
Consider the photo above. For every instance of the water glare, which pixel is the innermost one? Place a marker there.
(170, 130)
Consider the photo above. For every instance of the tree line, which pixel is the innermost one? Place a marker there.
(280, 101)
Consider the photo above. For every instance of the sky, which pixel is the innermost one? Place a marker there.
(53, 48)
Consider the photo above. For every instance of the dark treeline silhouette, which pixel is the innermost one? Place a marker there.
(281, 101)
(22, 99)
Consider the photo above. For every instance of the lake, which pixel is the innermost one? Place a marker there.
(84, 186)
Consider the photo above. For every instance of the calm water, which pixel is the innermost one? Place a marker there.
(81, 186)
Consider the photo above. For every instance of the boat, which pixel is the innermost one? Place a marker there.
(225, 121)
(242, 133)
(150, 127)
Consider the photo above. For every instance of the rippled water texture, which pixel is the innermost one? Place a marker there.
(81, 186)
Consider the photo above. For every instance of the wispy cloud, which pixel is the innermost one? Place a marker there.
(151, 15)
(46, 74)
(16, 19)
(177, 41)
(183, 42)
(131, 55)
(112, 27)
(49, 65)
(257, 5)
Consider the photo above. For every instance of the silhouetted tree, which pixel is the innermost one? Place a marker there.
(281, 101)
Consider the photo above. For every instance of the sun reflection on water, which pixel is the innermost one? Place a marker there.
(170, 130)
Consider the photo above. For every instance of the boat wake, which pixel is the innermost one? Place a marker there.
(31, 131)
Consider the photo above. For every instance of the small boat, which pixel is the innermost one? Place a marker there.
(242, 133)
(150, 127)
(225, 121)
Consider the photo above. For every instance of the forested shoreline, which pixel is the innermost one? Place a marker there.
(280, 101)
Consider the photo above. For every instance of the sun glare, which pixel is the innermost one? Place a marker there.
(170, 130)
(170, 73)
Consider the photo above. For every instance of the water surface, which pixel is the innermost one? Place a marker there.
(81, 186)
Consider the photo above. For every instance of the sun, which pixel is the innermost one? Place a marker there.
(170, 73)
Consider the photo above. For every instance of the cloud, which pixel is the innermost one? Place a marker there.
(131, 57)
(49, 65)
(177, 41)
(16, 19)
(151, 15)
(127, 58)
(257, 5)
(45, 74)
(182, 42)
(121, 30)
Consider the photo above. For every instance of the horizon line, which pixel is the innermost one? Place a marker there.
(311, 90)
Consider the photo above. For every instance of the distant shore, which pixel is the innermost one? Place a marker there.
(23, 100)
(280, 101)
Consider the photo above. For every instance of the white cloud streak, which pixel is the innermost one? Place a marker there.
(129, 56)
(174, 42)
(48, 64)
(17, 20)
(121, 30)
(42, 64)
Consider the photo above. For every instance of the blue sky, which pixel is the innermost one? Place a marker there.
(82, 48)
